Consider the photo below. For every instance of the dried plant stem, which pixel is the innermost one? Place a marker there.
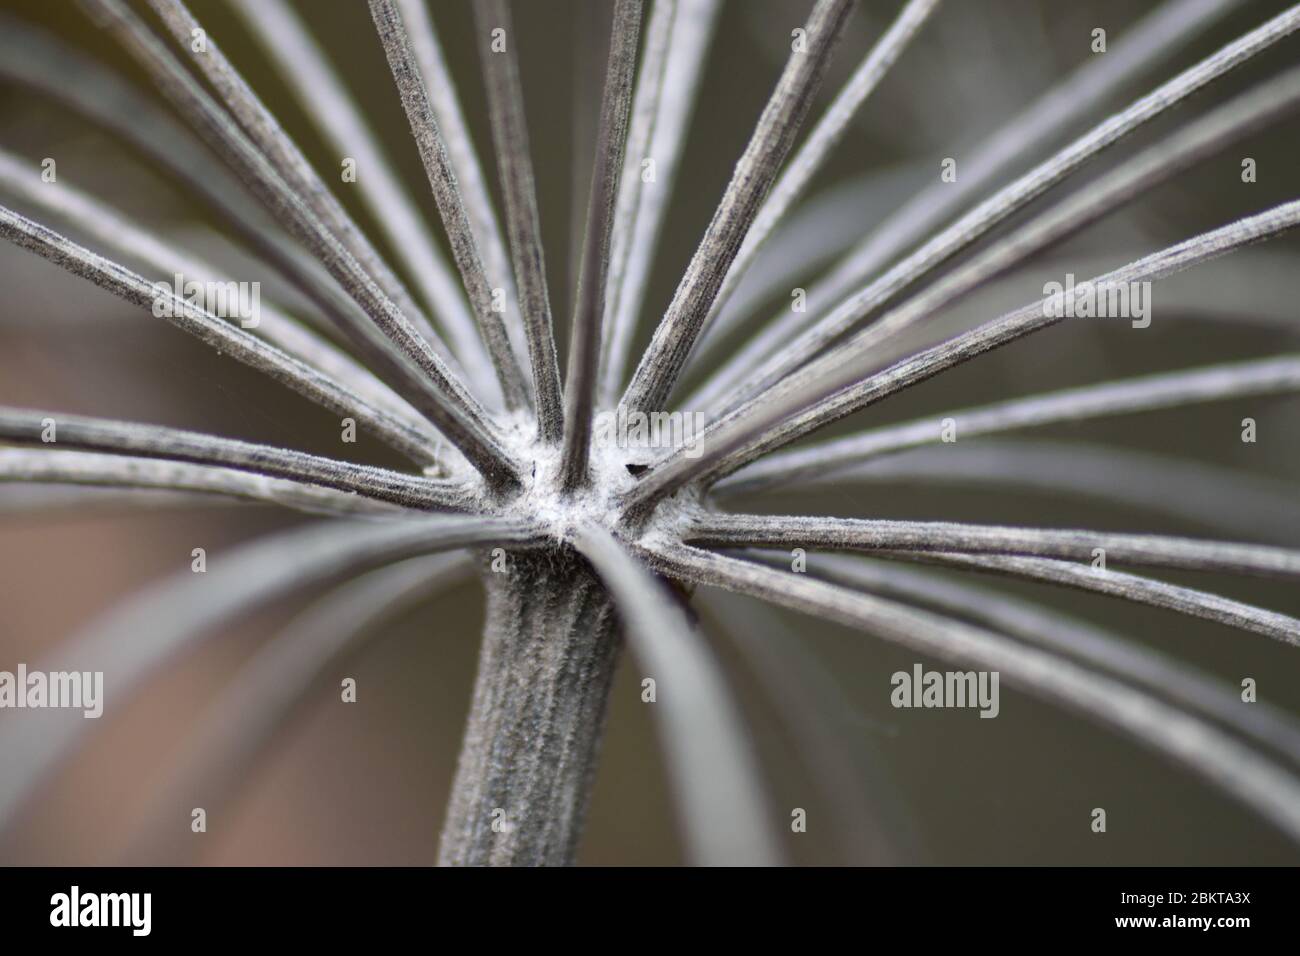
(510, 136)
(859, 534)
(823, 138)
(712, 765)
(844, 382)
(1155, 672)
(1199, 139)
(1161, 34)
(126, 241)
(757, 169)
(738, 381)
(441, 89)
(1129, 587)
(693, 23)
(151, 474)
(1220, 759)
(286, 158)
(528, 759)
(321, 92)
(171, 444)
(221, 335)
(650, 80)
(435, 391)
(51, 68)
(446, 193)
(1247, 505)
(1146, 393)
(584, 343)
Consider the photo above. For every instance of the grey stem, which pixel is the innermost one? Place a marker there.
(446, 193)
(757, 169)
(584, 344)
(510, 135)
(537, 716)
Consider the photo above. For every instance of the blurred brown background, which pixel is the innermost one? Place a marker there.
(366, 783)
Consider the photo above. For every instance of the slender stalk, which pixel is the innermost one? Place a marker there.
(692, 32)
(437, 392)
(584, 344)
(713, 768)
(166, 260)
(823, 138)
(261, 126)
(1246, 505)
(42, 63)
(228, 339)
(650, 81)
(1157, 673)
(446, 193)
(859, 534)
(757, 169)
(304, 67)
(1244, 114)
(510, 136)
(1221, 760)
(1129, 587)
(1165, 31)
(256, 708)
(174, 445)
(141, 635)
(443, 99)
(818, 395)
(140, 475)
(1145, 393)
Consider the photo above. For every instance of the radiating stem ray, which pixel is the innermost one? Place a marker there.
(446, 193)
(720, 792)
(133, 475)
(171, 444)
(267, 135)
(1216, 757)
(584, 343)
(1134, 588)
(757, 169)
(510, 136)
(221, 335)
(816, 395)
(152, 627)
(319, 89)
(257, 705)
(1157, 673)
(443, 99)
(1269, 376)
(44, 64)
(1229, 500)
(1202, 137)
(693, 25)
(1149, 42)
(821, 141)
(435, 390)
(166, 260)
(865, 534)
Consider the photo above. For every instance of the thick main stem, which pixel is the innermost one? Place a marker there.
(528, 759)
